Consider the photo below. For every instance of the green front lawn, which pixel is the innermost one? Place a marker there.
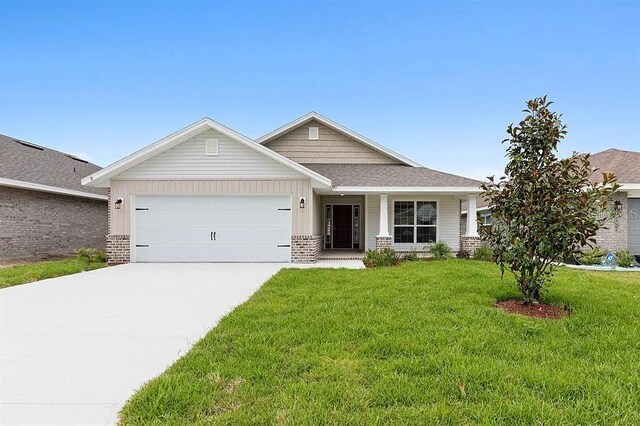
(421, 343)
(31, 272)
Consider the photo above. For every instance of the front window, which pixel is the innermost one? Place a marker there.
(415, 221)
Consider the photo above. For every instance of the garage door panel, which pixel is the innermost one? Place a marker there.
(179, 228)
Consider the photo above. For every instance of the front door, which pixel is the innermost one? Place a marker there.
(342, 227)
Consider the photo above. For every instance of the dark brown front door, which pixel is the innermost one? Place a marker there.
(342, 227)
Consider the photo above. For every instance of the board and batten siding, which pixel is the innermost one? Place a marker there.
(188, 160)
(331, 147)
(448, 220)
(120, 219)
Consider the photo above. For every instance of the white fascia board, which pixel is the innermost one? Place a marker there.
(409, 189)
(479, 209)
(340, 128)
(51, 189)
(180, 136)
(629, 187)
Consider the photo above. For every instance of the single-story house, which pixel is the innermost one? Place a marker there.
(44, 210)
(207, 193)
(624, 233)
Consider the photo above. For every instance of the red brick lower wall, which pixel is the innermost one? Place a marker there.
(383, 243)
(305, 248)
(118, 249)
(36, 224)
(470, 244)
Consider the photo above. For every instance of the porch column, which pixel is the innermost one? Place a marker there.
(383, 239)
(472, 219)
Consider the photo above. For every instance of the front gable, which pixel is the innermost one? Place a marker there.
(190, 160)
(330, 147)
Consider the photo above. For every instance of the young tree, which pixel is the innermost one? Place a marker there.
(544, 207)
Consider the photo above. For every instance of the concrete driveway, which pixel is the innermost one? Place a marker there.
(74, 348)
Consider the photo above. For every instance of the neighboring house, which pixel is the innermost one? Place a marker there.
(624, 233)
(207, 193)
(44, 209)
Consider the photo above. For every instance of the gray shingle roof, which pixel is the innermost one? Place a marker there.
(44, 166)
(624, 164)
(389, 175)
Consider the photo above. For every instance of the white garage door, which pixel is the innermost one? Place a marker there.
(225, 228)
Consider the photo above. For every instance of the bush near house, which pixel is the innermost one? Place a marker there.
(625, 259)
(440, 250)
(380, 258)
(484, 253)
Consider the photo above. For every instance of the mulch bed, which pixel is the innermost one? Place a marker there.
(531, 310)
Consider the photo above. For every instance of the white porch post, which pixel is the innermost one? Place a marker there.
(472, 219)
(384, 217)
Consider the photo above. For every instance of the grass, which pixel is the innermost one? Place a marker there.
(23, 274)
(416, 344)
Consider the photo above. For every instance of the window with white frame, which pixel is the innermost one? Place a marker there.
(485, 218)
(415, 222)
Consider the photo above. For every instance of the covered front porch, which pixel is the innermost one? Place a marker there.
(350, 223)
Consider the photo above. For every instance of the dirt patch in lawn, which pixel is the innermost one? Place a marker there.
(532, 310)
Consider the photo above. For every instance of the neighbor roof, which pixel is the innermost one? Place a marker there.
(624, 164)
(337, 127)
(27, 165)
(390, 175)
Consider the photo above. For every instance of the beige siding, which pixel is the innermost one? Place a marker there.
(317, 214)
(188, 161)
(331, 147)
(125, 189)
(448, 220)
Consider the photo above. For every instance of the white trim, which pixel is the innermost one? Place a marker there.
(472, 219)
(182, 135)
(52, 189)
(409, 189)
(383, 217)
(629, 186)
(478, 209)
(315, 116)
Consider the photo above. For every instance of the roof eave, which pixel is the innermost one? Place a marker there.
(50, 189)
(409, 189)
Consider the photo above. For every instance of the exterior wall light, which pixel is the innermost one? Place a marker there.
(302, 202)
(118, 203)
(618, 205)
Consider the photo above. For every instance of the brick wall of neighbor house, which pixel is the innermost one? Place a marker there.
(37, 224)
(305, 248)
(615, 238)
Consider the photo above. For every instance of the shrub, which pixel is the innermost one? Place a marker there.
(592, 257)
(411, 257)
(624, 258)
(386, 257)
(440, 250)
(463, 254)
(484, 252)
(91, 255)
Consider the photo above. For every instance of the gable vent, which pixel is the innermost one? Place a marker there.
(313, 133)
(212, 147)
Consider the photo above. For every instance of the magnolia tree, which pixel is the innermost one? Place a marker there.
(544, 207)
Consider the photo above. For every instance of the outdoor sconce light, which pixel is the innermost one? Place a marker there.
(118, 203)
(618, 205)
(302, 202)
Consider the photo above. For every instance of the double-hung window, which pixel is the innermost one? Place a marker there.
(415, 222)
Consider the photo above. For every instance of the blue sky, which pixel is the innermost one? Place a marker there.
(435, 81)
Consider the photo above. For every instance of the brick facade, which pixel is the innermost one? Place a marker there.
(305, 248)
(615, 238)
(383, 243)
(36, 224)
(470, 244)
(118, 249)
